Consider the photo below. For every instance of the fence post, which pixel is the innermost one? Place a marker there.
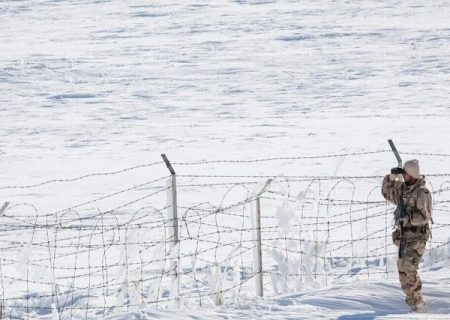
(258, 254)
(4, 208)
(175, 263)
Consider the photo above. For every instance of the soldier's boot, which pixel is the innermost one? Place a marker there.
(415, 301)
(419, 308)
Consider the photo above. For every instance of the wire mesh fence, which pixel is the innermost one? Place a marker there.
(116, 251)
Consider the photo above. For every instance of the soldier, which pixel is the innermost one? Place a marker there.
(412, 215)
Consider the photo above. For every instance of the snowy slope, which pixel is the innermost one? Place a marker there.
(363, 300)
(122, 81)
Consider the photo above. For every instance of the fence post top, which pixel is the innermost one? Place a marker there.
(394, 150)
(168, 164)
(3, 208)
(264, 188)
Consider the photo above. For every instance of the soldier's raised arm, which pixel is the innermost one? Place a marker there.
(392, 189)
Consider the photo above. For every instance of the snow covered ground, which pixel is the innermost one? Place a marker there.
(362, 300)
(91, 87)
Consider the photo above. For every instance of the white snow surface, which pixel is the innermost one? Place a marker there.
(98, 86)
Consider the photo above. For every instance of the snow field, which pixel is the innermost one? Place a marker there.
(95, 86)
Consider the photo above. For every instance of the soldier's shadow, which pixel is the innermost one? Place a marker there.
(366, 316)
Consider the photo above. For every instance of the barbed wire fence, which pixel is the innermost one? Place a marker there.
(201, 239)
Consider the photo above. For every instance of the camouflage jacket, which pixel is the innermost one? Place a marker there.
(416, 199)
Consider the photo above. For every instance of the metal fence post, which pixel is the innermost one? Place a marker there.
(176, 264)
(3, 208)
(258, 256)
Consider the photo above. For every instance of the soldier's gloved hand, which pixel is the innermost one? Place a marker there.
(397, 170)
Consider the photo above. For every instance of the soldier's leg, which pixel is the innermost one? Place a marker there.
(409, 277)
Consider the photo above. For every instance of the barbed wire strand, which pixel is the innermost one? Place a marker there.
(83, 261)
(97, 174)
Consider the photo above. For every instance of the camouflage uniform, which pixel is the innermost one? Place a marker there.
(417, 205)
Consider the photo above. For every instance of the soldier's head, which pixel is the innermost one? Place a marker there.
(412, 171)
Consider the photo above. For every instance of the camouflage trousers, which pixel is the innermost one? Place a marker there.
(408, 264)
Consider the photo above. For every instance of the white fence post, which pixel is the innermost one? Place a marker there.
(175, 264)
(257, 257)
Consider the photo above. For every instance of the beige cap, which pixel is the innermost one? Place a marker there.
(412, 168)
